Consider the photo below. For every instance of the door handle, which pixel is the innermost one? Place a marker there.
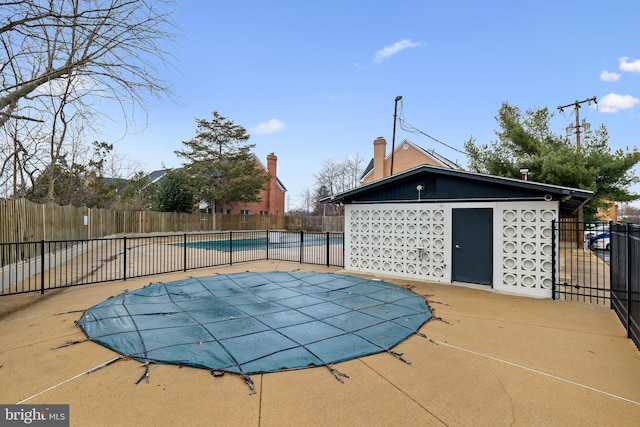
(457, 246)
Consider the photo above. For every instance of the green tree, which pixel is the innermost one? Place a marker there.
(526, 141)
(219, 164)
(320, 193)
(173, 193)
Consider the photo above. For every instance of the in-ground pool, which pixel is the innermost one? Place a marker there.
(250, 323)
(282, 241)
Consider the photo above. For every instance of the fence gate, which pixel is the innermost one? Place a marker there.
(580, 273)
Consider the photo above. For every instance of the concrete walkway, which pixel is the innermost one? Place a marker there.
(496, 360)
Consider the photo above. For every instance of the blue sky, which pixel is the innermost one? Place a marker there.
(313, 81)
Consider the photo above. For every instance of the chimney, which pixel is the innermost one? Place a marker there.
(272, 160)
(379, 151)
(524, 174)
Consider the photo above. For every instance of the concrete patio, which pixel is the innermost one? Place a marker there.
(495, 360)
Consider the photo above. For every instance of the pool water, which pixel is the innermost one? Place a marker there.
(258, 243)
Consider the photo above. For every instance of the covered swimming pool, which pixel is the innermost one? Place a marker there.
(249, 323)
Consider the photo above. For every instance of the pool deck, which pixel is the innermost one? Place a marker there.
(495, 360)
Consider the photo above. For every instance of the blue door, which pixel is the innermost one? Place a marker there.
(472, 246)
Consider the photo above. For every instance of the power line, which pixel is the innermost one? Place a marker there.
(412, 129)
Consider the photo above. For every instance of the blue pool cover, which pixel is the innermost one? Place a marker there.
(250, 323)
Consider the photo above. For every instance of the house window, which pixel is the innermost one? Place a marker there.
(244, 212)
(263, 213)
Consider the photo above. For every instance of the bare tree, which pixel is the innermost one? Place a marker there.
(57, 59)
(336, 177)
(339, 176)
(352, 172)
(114, 44)
(307, 201)
(330, 176)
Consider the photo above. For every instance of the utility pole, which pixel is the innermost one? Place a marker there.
(586, 126)
(393, 138)
(576, 128)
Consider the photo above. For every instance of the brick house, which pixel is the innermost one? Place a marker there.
(272, 199)
(406, 156)
(609, 214)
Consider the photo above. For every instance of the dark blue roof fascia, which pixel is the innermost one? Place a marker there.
(456, 185)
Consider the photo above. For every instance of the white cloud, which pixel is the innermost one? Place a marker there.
(58, 87)
(393, 49)
(270, 126)
(612, 103)
(632, 67)
(609, 76)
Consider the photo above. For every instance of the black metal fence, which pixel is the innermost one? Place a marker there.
(625, 277)
(581, 273)
(65, 263)
(600, 264)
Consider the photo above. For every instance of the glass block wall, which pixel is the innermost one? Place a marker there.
(525, 248)
(414, 241)
(408, 240)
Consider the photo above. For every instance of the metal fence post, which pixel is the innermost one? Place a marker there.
(184, 255)
(42, 267)
(627, 280)
(301, 246)
(124, 259)
(328, 249)
(267, 244)
(230, 247)
(613, 257)
(553, 259)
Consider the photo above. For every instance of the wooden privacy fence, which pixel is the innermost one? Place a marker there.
(25, 221)
(334, 224)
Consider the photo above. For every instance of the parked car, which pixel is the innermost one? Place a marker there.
(601, 241)
(596, 230)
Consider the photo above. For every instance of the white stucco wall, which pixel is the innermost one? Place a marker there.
(414, 240)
